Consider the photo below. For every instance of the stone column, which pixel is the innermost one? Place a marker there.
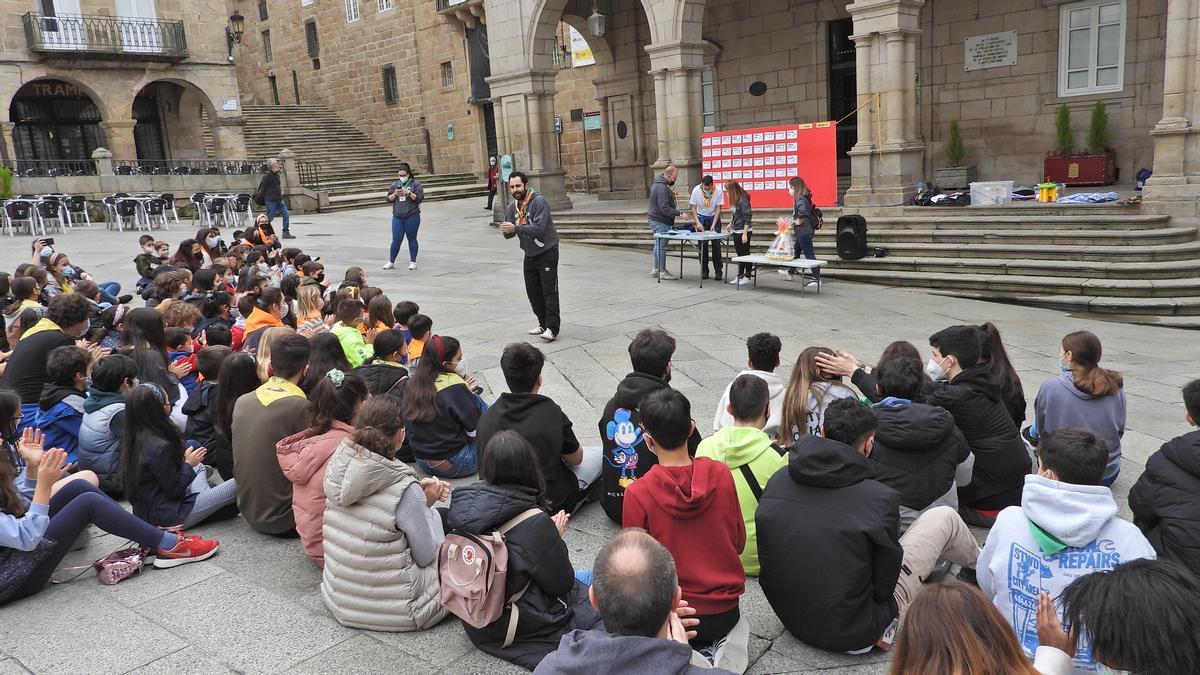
(676, 67)
(118, 137)
(525, 113)
(1174, 189)
(8, 150)
(885, 170)
(231, 144)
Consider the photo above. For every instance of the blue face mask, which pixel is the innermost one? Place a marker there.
(68, 271)
(47, 251)
(1064, 366)
(213, 242)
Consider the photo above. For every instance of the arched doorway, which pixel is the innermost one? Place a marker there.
(54, 120)
(173, 120)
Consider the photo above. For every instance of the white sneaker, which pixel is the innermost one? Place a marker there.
(742, 281)
(412, 265)
(537, 331)
(734, 281)
(812, 282)
(549, 336)
(663, 274)
(388, 265)
(654, 274)
(787, 276)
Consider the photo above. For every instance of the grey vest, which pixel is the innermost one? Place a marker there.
(99, 449)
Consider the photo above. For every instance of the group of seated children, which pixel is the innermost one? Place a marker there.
(255, 386)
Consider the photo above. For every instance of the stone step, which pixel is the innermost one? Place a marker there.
(826, 248)
(1164, 311)
(1026, 267)
(1031, 285)
(374, 200)
(1018, 226)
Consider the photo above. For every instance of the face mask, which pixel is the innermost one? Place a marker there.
(47, 251)
(404, 178)
(934, 370)
(68, 271)
(150, 250)
(162, 255)
(1064, 366)
(320, 277)
(213, 242)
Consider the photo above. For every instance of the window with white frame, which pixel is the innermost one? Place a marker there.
(709, 96)
(448, 74)
(352, 11)
(1091, 53)
(305, 3)
(385, 5)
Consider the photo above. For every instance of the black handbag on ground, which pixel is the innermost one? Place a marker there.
(17, 566)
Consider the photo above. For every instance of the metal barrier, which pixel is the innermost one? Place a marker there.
(49, 168)
(108, 35)
(187, 167)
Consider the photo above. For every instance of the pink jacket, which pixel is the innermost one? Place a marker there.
(303, 459)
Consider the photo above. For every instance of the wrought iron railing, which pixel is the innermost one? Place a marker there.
(39, 168)
(447, 4)
(108, 35)
(187, 167)
(310, 174)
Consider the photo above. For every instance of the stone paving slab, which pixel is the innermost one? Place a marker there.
(255, 607)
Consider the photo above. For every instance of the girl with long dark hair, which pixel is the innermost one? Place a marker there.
(267, 313)
(188, 256)
(164, 480)
(741, 216)
(209, 240)
(441, 411)
(144, 338)
(993, 355)
(325, 355)
(238, 376)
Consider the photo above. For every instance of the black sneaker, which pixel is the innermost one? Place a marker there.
(967, 575)
(1029, 439)
(939, 573)
(125, 299)
(719, 276)
(288, 235)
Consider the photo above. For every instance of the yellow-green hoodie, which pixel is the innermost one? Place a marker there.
(745, 446)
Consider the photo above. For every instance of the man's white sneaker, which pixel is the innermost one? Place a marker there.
(734, 281)
(537, 331)
(388, 265)
(742, 281)
(813, 282)
(787, 276)
(549, 336)
(663, 274)
(412, 265)
(653, 274)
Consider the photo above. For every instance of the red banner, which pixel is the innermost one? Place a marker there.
(763, 160)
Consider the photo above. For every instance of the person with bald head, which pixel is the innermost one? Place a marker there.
(661, 215)
(636, 591)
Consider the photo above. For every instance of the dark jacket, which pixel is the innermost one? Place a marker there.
(161, 495)
(975, 400)
(404, 207)
(60, 412)
(662, 202)
(540, 421)
(269, 187)
(198, 408)
(828, 546)
(26, 369)
(381, 377)
(804, 216)
(1166, 500)
(917, 451)
(596, 652)
(626, 458)
(742, 215)
(555, 601)
(535, 232)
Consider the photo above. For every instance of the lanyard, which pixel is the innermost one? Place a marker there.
(523, 206)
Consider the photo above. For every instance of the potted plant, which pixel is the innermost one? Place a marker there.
(1092, 166)
(957, 176)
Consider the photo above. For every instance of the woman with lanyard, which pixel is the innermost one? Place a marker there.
(405, 195)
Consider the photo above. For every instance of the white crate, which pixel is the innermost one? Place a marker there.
(991, 193)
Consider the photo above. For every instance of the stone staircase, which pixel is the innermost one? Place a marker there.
(1106, 260)
(353, 168)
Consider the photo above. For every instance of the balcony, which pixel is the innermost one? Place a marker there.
(73, 34)
(466, 12)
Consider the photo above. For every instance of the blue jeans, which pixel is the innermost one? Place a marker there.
(660, 245)
(464, 463)
(109, 290)
(584, 576)
(804, 244)
(278, 207)
(401, 228)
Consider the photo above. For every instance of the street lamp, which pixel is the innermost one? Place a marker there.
(233, 31)
(596, 22)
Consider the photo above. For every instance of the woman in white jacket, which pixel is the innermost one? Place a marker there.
(380, 529)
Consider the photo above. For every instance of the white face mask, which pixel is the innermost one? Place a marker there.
(934, 369)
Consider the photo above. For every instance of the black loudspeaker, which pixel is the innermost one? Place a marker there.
(852, 237)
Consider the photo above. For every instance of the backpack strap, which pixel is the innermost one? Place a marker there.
(510, 635)
(780, 449)
(752, 482)
(396, 384)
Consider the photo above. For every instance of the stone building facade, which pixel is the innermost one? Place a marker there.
(895, 73)
(146, 79)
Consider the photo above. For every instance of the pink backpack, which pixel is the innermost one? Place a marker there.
(472, 570)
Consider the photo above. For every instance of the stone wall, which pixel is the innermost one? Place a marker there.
(573, 89)
(409, 36)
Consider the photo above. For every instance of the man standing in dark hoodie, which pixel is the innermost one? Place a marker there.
(833, 566)
(976, 400)
(636, 591)
(661, 214)
(626, 458)
(528, 219)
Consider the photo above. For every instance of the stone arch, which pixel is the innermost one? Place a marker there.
(544, 22)
(689, 20)
(102, 104)
(188, 118)
(601, 50)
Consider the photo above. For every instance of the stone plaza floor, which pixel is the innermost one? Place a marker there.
(255, 606)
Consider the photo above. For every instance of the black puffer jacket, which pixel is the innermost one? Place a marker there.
(829, 546)
(975, 400)
(1166, 500)
(381, 378)
(555, 603)
(917, 451)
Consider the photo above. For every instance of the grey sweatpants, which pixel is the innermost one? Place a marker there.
(209, 498)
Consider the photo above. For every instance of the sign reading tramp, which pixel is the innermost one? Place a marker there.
(764, 159)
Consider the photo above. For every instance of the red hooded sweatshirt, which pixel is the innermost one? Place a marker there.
(693, 511)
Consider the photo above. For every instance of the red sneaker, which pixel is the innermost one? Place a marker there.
(189, 549)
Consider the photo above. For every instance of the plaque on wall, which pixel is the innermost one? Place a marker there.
(995, 50)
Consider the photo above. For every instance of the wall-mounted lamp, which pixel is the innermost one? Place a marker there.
(233, 31)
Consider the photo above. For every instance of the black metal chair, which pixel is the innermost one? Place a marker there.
(214, 208)
(156, 212)
(169, 199)
(75, 205)
(50, 214)
(18, 211)
(127, 209)
(198, 213)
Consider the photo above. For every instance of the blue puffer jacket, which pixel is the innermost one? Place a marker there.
(60, 410)
(100, 434)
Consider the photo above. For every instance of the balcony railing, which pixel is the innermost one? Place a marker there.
(186, 167)
(105, 35)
